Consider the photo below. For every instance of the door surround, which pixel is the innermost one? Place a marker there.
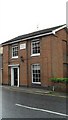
(12, 75)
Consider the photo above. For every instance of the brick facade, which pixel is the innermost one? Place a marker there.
(0, 69)
(1, 52)
(52, 59)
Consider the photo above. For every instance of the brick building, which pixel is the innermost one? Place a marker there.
(31, 59)
(1, 53)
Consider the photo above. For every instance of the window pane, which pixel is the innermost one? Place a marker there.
(14, 51)
(36, 72)
(35, 47)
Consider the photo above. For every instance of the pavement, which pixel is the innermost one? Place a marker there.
(40, 91)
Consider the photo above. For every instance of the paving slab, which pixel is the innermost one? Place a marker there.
(37, 91)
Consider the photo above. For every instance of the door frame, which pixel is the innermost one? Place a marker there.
(12, 75)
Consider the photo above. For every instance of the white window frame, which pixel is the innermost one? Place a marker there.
(12, 51)
(36, 54)
(32, 74)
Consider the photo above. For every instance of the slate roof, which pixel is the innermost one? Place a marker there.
(25, 36)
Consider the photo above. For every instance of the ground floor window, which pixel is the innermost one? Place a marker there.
(36, 73)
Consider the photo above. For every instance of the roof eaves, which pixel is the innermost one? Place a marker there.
(35, 34)
(64, 26)
(27, 38)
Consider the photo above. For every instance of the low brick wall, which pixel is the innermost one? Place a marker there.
(60, 87)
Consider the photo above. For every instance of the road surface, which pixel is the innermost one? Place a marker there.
(20, 104)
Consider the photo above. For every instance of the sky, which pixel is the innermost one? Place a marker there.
(18, 17)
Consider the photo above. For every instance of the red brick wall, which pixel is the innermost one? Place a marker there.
(44, 60)
(50, 59)
(22, 64)
(5, 64)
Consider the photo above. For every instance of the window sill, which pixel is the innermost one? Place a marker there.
(36, 82)
(14, 57)
(35, 55)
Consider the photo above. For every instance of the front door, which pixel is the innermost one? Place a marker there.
(15, 70)
(15, 76)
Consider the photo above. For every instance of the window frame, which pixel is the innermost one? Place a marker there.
(32, 54)
(32, 74)
(12, 51)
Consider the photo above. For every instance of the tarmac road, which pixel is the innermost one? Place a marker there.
(16, 104)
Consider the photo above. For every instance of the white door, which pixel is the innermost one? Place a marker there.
(15, 76)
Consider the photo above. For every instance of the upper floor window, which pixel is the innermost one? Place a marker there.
(35, 47)
(15, 51)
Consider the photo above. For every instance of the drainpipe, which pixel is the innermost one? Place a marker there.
(53, 88)
(51, 64)
(27, 62)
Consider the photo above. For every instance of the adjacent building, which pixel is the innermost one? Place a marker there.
(31, 59)
(1, 54)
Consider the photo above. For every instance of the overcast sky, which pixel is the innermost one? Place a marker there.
(18, 17)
